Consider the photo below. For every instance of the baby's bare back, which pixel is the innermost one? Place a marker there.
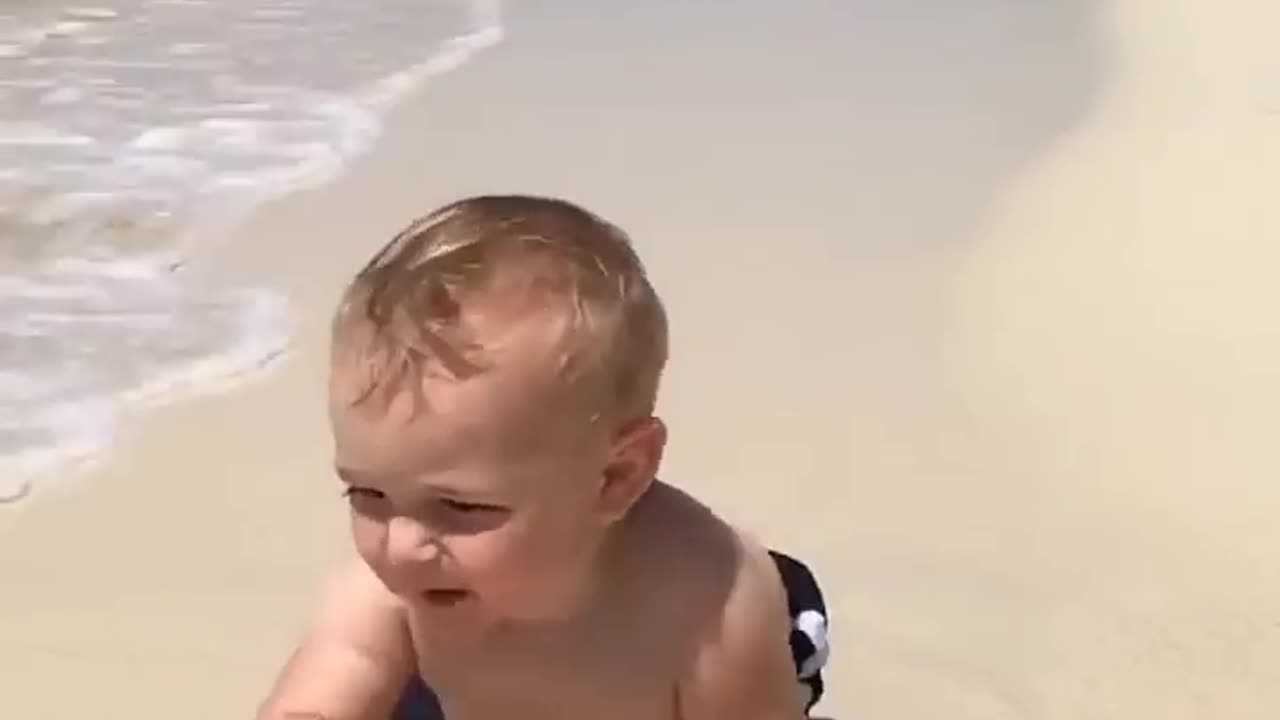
(669, 574)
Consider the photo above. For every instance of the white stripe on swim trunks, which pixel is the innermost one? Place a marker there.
(814, 625)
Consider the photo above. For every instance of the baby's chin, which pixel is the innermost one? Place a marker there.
(466, 607)
(449, 608)
(519, 603)
(464, 612)
(432, 599)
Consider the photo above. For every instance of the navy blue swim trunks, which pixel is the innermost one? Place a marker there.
(808, 642)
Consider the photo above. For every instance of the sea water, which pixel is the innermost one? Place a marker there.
(133, 134)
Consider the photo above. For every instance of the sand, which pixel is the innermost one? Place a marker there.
(971, 309)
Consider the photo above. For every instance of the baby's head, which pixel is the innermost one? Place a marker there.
(494, 372)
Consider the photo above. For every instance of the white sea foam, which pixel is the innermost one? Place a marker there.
(187, 114)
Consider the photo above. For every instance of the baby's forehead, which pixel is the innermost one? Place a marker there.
(458, 449)
(505, 413)
(498, 357)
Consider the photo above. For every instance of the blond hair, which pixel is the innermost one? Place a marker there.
(411, 295)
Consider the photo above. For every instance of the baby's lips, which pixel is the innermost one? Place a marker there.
(445, 596)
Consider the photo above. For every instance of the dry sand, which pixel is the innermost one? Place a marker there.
(972, 309)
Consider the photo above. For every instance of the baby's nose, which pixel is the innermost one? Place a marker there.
(410, 543)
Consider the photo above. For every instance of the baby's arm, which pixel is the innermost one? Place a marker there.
(743, 669)
(354, 659)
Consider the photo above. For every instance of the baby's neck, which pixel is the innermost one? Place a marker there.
(607, 570)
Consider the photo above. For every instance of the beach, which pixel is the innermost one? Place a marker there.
(971, 309)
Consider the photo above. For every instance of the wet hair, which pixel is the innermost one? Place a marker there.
(557, 260)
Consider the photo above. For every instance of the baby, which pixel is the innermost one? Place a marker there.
(493, 379)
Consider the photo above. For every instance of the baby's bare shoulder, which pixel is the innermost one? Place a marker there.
(731, 600)
(741, 665)
(671, 519)
(673, 535)
(697, 562)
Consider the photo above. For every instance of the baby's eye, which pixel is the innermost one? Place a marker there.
(363, 493)
(469, 507)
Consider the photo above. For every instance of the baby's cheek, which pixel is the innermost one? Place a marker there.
(369, 536)
(503, 564)
(493, 554)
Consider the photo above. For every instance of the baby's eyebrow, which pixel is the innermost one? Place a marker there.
(351, 476)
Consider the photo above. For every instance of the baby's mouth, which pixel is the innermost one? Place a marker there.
(445, 598)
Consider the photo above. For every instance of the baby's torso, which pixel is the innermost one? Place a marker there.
(621, 674)
(543, 696)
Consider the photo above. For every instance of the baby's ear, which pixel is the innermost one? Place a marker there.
(633, 464)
